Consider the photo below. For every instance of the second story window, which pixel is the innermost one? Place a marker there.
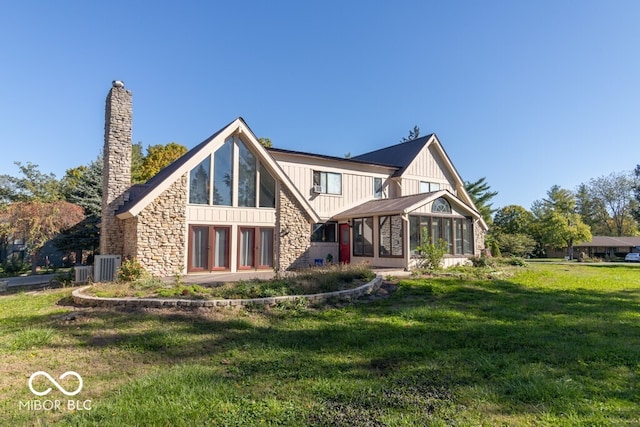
(327, 182)
(427, 187)
(377, 188)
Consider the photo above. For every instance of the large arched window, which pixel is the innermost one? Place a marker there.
(441, 206)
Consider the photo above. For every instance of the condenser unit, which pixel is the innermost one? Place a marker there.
(106, 267)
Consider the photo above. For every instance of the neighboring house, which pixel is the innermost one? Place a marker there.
(603, 247)
(230, 204)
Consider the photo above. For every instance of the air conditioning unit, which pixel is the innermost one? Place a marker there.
(106, 267)
(83, 273)
(317, 188)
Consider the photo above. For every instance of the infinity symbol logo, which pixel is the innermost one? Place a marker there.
(55, 383)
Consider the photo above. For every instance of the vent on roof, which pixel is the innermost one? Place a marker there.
(317, 188)
(106, 267)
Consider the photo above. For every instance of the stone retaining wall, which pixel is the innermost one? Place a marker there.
(348, 294)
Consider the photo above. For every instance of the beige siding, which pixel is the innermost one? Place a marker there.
(227, 215)
(427, 166)
(357, 185)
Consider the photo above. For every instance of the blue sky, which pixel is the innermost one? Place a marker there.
(525, 93)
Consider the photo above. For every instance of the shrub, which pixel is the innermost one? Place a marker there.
(482, 261)
(430, 254)
(131, 270)
(14, 265)
(517, 261)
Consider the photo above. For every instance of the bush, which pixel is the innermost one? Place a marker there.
(15, 265)
(430, 254)
(482, 261)
(131, 270)
(517, 261)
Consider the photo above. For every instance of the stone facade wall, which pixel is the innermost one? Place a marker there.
(160, 232)
(117, 167)
(478, 238)
(293, 233)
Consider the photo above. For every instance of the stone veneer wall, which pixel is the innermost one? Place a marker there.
(293, 233)
(156, 237)
(478, 237)
(117, 167)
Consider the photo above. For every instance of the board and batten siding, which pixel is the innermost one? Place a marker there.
(356, 187)
(430, 167)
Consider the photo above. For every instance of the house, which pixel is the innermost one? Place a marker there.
(230, 204)
(602, 247)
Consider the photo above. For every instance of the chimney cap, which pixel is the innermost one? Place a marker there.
(118, 83)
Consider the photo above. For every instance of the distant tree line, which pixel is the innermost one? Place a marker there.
(37, 208)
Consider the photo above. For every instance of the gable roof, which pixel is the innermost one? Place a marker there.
(402, 205)
(140, 196)
(400, 155)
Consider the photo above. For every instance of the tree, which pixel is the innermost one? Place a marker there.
(513, 219)
(592, 211)
(481, 196)
(83, 187)
(413, 134)
(613, 203)
(266, 142)
(511, 231)
(137, 155)
(32, 185)
(38, 222)
(557, 224)
(158, 157)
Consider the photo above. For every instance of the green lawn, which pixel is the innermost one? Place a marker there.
(553, 345)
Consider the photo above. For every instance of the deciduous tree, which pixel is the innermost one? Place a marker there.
(158, 157)
(557, 224)
(38, 222)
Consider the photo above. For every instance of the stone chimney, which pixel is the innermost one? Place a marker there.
(116, 176)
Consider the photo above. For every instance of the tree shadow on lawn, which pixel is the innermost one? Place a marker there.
(522, 349)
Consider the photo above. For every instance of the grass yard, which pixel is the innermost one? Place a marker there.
(553, 345)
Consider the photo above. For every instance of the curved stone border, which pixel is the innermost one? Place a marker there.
(348, 294)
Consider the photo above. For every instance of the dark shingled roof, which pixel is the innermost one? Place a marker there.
(399, 155)
(385, 206)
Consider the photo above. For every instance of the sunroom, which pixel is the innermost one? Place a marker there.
(386, 233)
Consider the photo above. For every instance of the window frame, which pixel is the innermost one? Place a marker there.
(324, 189)
(361, 245)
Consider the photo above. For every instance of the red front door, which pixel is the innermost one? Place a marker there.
(345, 244)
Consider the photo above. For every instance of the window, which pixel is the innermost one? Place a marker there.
(223, 174)
(427, 187)
(456, 232)
(267, 189)
(246, 176)
(377, 188)
(363, 236)
(441, 206)
(391, 236)
(253, 184)
(203, 237)
(324, 232)
(266, 247)
(328, 182)
(200, 182)
(255, 248)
